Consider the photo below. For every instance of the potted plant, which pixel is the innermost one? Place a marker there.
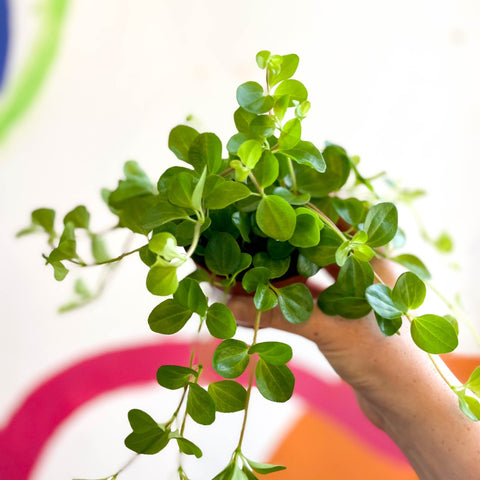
(258, 220)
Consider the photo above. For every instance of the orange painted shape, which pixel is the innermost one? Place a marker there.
(318, 448)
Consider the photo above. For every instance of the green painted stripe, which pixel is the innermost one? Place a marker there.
(22, 90)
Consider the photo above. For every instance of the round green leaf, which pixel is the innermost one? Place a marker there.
(434, 334)
(294, 88)
(174, 376)
(381, 224)
(190, 295)
(222, 254)
(220, 321)
(224, 193)
(228, 396)
(230, 358)
(264, 298)
(168, 317)
(206, 151)
(306, 153)
(281, 67)
(180, 139)
(264, 468)
(414, 264)
(276, 218)
(290, 135)
(250, 96)
(262, 126)
(164, 244)
(266, 170)
(277, 267)
(148, 442)
(409, 292)
(295, 302)
(200, 405)
(379, 297)
(79, 216)
(162, 280)
(275, 353)
(388, 326)
(254, 277)
(250, 153)
(188, 448)
(307, 231)
(274, 382)
(141, 421)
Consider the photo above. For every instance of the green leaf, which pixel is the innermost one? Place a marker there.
(307, 229)
(264, 298)
(99, 249)
(274, 353)
(174, 376)
(168, 317)
(290, 197)
(414, 264)
(274, 382)
(136, 184)
(67, 246)
(230, 358)
(381, 224)
(79, 216)
(444, 243)
(147, 436)
(295, 302)
(286, 69)
(295, 89)
(306, 153)
(206, 151)
(59, 270)
(180, 139)
(409, 292)
(354, 277)
(290, 135)
(200, 405)
(276, 267)
(160, 213)
(324, 253)
(44, 218)
(281, 105)
(262, 58)
(334, 176)
(266, 170)
(388, 326)
(342, 253)
(164, 244)
(276, 218)
(264, 468)
(222, 254)
(243, 119)
(351, 210)
(254, 277)
(224, 193)
(473, 382)
(250, 96)
(250, 153)
(180, 190)
(262, 126)
(220, 321)
(188, 448)
(434, 334)
(190, 295)
(228, 396)
(470, 406)
(305, 267)
(162, 280)
(379, 297)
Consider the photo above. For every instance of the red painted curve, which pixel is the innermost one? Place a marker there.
(48, 405)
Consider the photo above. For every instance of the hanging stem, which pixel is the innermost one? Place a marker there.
(250, 383)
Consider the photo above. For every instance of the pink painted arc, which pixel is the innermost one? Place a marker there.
(46, 407)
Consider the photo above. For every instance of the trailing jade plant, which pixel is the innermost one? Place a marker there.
(271, 206)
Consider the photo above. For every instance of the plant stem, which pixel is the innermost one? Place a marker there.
(250, 383)
(110, 260)
(292, 174)
(327, 220)
(196, 237)
(257, 186)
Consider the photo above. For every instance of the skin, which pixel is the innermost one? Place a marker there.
(396, 385)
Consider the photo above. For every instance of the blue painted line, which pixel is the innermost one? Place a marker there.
(4, 37)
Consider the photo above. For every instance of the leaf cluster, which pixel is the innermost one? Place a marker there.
(267, 206)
